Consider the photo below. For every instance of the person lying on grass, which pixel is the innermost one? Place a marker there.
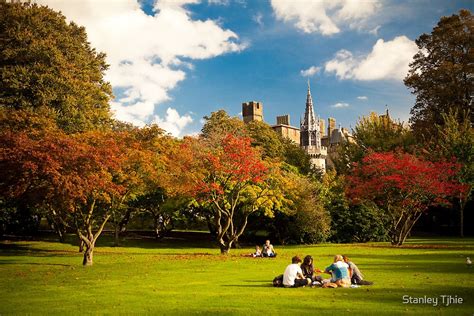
(293, 276)
(339, 273)
(268, 250)
(355, 274)
(309, 271)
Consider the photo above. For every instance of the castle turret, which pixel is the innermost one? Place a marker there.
(252, 111)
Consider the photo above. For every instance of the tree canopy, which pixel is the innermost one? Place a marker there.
(441, 75)
(46, 62)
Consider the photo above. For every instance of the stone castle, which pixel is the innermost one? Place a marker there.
(320, 143)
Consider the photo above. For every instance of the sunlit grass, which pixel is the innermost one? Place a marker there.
(189, 276)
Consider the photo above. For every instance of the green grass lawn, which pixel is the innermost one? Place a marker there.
(185, 277)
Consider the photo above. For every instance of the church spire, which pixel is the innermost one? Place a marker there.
(309, 118)
(309, 132)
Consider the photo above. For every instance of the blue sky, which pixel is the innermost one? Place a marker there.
(173, 62)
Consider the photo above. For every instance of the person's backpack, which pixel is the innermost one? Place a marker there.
(278, 281)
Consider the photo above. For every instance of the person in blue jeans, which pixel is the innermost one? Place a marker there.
(339, 271)
(268, 250)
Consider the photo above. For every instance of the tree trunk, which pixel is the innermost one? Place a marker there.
(156, 226)
(462, 205)
(81, 245)
(116, 235)
(224, 248)
(88, 255)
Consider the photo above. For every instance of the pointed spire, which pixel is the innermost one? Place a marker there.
(309, 118)
(310, 130)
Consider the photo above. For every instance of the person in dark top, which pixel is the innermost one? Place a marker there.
(308, 269)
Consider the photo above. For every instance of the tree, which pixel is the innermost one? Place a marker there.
(403, 185)
(139, 172)
(374, 132)
(441, 74)
(48, 63)
(230, 180)
(296, 156)
(71, 174)
(219, 124)
(456, 139)
(264, 137)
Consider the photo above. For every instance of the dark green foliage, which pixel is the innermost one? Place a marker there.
(375, 133)
(441, 75)
(358, 223)
(46, 62)
(219, 124)
(295, 156)
(264, 137)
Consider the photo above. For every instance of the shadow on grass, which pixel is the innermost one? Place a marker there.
(7, 249)
(248, 285)
(4, 262)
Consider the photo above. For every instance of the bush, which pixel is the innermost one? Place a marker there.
(358, 223)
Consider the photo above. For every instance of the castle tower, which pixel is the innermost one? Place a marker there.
(252, 111)
(310, 135)
(331, 125)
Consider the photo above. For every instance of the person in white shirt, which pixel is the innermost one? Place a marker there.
(268, 250)
(293, 276)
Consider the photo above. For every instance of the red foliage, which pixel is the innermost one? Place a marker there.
(403, 180)
(233, 165)
(58, 168)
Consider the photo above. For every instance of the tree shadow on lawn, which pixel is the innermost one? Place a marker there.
(176, 240)
(5, 262)
(29, 250)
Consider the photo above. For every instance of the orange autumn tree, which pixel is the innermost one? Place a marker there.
(70, 174)
(229, 179)
(404, 185)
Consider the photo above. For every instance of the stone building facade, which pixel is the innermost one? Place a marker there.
(311, 135)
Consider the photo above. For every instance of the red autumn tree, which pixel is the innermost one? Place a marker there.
(229, 179)
(69, 174)
(404, 185)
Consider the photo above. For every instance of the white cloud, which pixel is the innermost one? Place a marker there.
(362, 97)
(325, 17)
(340, 105)
(375, 30)
(173, 122)
(311, 71)
(387, 60)
(258, 18)
(219, 2)
(146, 52)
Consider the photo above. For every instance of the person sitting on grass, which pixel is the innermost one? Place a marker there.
(308, 270)
(356, 275)
(268, 250)
(293, 276)
(257, 253)
(339, 272)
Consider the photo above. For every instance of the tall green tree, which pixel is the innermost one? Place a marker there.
(441, 75)
(456, 140)
(47, 62)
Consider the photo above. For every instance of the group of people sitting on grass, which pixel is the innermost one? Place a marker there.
(343, 273)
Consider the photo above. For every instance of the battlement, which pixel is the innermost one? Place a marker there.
(252, 111)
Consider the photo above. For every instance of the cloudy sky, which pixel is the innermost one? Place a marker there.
(174, 61)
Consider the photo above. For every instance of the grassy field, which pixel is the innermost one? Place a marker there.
(178, 276)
